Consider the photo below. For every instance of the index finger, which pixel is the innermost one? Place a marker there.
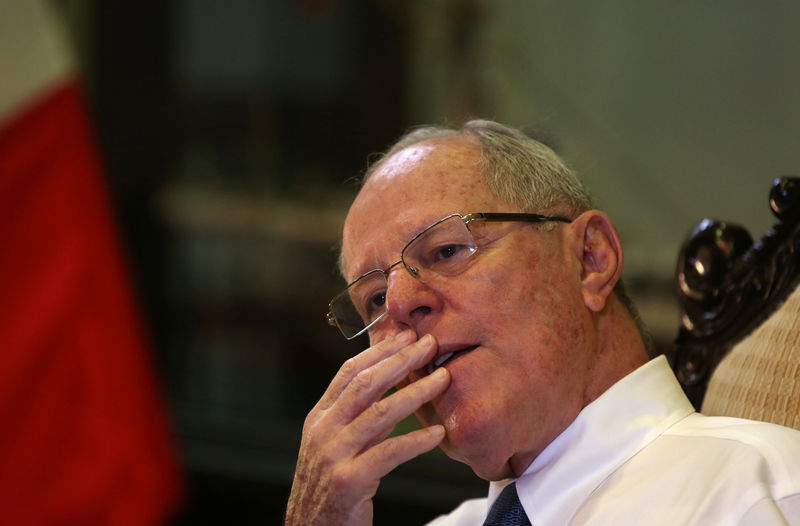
(361, 361)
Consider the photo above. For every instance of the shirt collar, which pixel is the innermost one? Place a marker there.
(606, 433)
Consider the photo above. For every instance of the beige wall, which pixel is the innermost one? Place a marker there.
(671, 111)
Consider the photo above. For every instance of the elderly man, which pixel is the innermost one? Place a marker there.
(488, 287)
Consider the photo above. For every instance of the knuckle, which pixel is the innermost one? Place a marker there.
(343, 477)
(314, 435)
(309, 427)
(349, 368)
(381, 409)
(363, 380)
(326, 455)
(309, 422)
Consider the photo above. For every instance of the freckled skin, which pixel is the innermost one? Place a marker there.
(541, 353)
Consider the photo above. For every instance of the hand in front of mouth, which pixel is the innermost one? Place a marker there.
(344, 450)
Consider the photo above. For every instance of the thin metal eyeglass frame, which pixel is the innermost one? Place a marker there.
(330, 317)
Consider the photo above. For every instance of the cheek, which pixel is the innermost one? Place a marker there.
(542, 316)
(514, 300)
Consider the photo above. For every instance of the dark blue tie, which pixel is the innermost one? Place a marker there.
(507, 510)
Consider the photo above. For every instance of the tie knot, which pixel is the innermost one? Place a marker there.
(507, 509)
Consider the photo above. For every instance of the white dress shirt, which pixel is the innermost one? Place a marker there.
(640, 454)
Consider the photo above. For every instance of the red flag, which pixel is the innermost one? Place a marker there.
(83, 435)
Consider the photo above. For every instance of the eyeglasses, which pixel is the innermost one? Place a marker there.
(445, 248)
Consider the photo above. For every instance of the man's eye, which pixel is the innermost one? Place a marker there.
(447, 252)
(374, 305)
(377, 301)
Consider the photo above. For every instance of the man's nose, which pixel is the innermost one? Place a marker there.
(408, 300)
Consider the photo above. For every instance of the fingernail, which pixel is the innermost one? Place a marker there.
(427, 339)
(440, 372)
(437, 430)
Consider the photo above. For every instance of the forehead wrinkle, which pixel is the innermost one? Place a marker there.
(373, 260)
(409, 191)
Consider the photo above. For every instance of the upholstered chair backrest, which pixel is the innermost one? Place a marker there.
(759, 378)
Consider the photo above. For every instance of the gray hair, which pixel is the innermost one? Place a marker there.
(517, 168)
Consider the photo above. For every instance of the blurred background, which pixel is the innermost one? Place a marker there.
(230, 133)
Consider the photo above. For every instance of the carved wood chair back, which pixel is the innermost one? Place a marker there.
(738, 348)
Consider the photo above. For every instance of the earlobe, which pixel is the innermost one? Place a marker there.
(600, 252)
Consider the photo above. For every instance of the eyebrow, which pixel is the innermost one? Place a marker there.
(363, 269)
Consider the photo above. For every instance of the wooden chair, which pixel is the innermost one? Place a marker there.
(738, 348)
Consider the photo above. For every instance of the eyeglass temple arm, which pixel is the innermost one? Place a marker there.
(512, 216)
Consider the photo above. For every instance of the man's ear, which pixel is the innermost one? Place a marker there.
(597, 245)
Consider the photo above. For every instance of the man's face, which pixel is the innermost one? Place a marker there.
(515, 315)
